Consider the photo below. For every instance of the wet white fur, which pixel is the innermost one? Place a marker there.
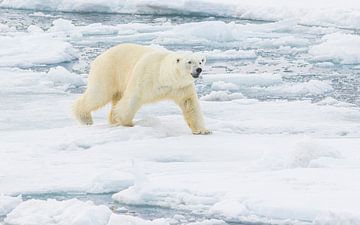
(130, 75)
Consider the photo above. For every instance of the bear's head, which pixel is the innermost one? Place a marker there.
(190, 65)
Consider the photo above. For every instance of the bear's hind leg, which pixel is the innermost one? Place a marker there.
(90, 101)
(115, 99)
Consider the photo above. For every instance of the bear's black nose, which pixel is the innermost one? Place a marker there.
(198, 70)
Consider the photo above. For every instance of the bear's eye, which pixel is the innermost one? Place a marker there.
(202, 60)
(189, 62)
(200, 63)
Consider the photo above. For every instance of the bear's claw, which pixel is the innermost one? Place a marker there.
(86, 119)
(202, 132)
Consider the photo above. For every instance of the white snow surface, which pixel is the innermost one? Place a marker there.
(338, 48)
(321, 12)
(53, 212)
(8, 203)
(76, 212)
(275, 158)
(24, 50)
(230, 54)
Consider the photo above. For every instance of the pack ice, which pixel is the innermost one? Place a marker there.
(280, 95)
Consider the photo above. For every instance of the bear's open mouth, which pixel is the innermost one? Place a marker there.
(195, 75)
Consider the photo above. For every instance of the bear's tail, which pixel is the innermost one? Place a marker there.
(81, 113)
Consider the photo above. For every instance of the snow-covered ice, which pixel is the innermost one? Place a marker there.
(338, 48)
(24, 50)
(280, 96)
(8, 203)
(52, 212)
(322, 12)
(289, 146)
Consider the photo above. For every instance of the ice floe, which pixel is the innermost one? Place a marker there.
(72, 212)
(34, 50)
(338, 48)
(324, 12)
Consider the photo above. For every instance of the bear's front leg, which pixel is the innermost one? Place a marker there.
(125, 110)
(192, 112)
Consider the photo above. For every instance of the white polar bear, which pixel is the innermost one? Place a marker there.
(130, 75)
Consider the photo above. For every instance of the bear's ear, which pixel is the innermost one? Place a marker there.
(178, 60)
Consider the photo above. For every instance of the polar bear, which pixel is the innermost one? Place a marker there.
(130, 75)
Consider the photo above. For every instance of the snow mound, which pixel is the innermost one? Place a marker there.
(221, 96)
(340, 218)
(31, 50)
(209, 222)
(131, 220)
(229, 54)
(338, 48)
(312, 87)
(208, 32)
(61, 77)
(245, 79)
(110, 181)
(5, 28)
(62, 25)
(334, 102)
(305, 154)
(53, 212)
(257, 85)
(224, 86)
(26, 82)
(229, 208)
(34, 29)
(8, 203)
(98, 28)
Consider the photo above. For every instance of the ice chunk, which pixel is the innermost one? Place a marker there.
(334, 102)
(70, 212)
(98, 28)
(230, 208)
(34, 29)
(62, 25)
(65, 28)
(29, 50)
(338, 48)
(111, 181)
(224, 86)
(230, 54)
(131, 220)
(4, 28)
(306, 154)
(8, 203)
(62, 77)
(337, 218)
(208, 222)
(221, 96)
(245, 79)
(209, 31)
(312, 87)
(325, 64)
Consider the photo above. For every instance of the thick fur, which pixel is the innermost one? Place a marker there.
(130, 75)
